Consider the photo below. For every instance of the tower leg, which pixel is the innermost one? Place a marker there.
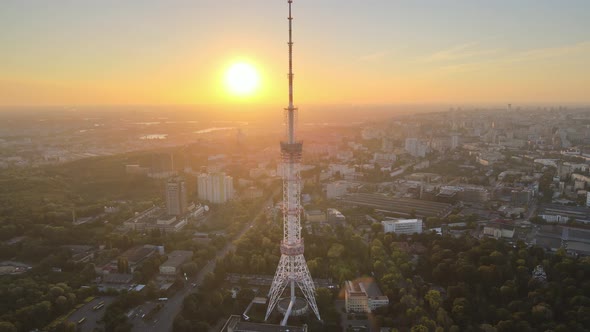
(292, 268)
(278, 285)
(306, 285)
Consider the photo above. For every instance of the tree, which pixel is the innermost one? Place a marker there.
(323, 297)
(433, 299)
(376, 227)
(419, 328)
(122, 265)
(336, 250)
(61, 303)
(190, 268)
(7, 327)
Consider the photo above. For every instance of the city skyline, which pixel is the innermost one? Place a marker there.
(294, 165)
(381, 52)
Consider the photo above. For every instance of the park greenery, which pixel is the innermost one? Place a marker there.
(33, 302)
(465, 284)
(434, 283)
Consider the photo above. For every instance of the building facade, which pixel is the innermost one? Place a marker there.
(402, 226)
(216, 188)
(337, 189)
(176, 197)
(415, 147)
(363, 296)
(174, 263)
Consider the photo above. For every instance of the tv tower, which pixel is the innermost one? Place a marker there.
(292, 269)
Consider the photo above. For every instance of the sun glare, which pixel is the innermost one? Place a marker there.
(242, 79)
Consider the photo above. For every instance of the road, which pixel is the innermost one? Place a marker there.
(532, 208)
(91, 316)
(164, 319)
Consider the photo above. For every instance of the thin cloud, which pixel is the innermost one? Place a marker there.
(373, 56)
(459, 52)
(506, 58)
(549, 52)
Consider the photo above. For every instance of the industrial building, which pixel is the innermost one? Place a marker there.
(176, 259)
(563, 213)
(154, 219)
(465, 193)
(574, 240)
(132, 259)
(399, 207)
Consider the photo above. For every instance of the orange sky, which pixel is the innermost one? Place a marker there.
(149, 53)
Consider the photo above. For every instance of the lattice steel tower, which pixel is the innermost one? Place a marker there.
(292, 269)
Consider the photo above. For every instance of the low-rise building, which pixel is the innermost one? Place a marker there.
(236, 324)
(337, 189)
(335, 216)
(499, 229)
(363, 296)
(467, 193)
(176, 259)
(81, 253)
(315, 216)
(130, 260)
(402, 226)
(155, 219)
(252, 192)
(564, 213)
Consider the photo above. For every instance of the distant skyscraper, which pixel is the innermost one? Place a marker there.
(416, 147)
(216, 187)
(176, 197)
(454, 141)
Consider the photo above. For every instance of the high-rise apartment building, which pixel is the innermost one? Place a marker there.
(215, 187)
(176, 197)
(416, 147)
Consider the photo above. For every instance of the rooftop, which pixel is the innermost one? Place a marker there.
(400, 221)
(139, 253)
(364, 286)
(235, 324)
(178, 257)
(399, 206)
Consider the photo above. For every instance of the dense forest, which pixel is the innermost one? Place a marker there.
(469, 285)
(49, 194)
(434, 283)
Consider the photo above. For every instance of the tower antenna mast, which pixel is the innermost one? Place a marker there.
(292, 269)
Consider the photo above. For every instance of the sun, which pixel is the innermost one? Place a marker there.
(242, 79)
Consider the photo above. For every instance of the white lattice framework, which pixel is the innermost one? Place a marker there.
(292, 269)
